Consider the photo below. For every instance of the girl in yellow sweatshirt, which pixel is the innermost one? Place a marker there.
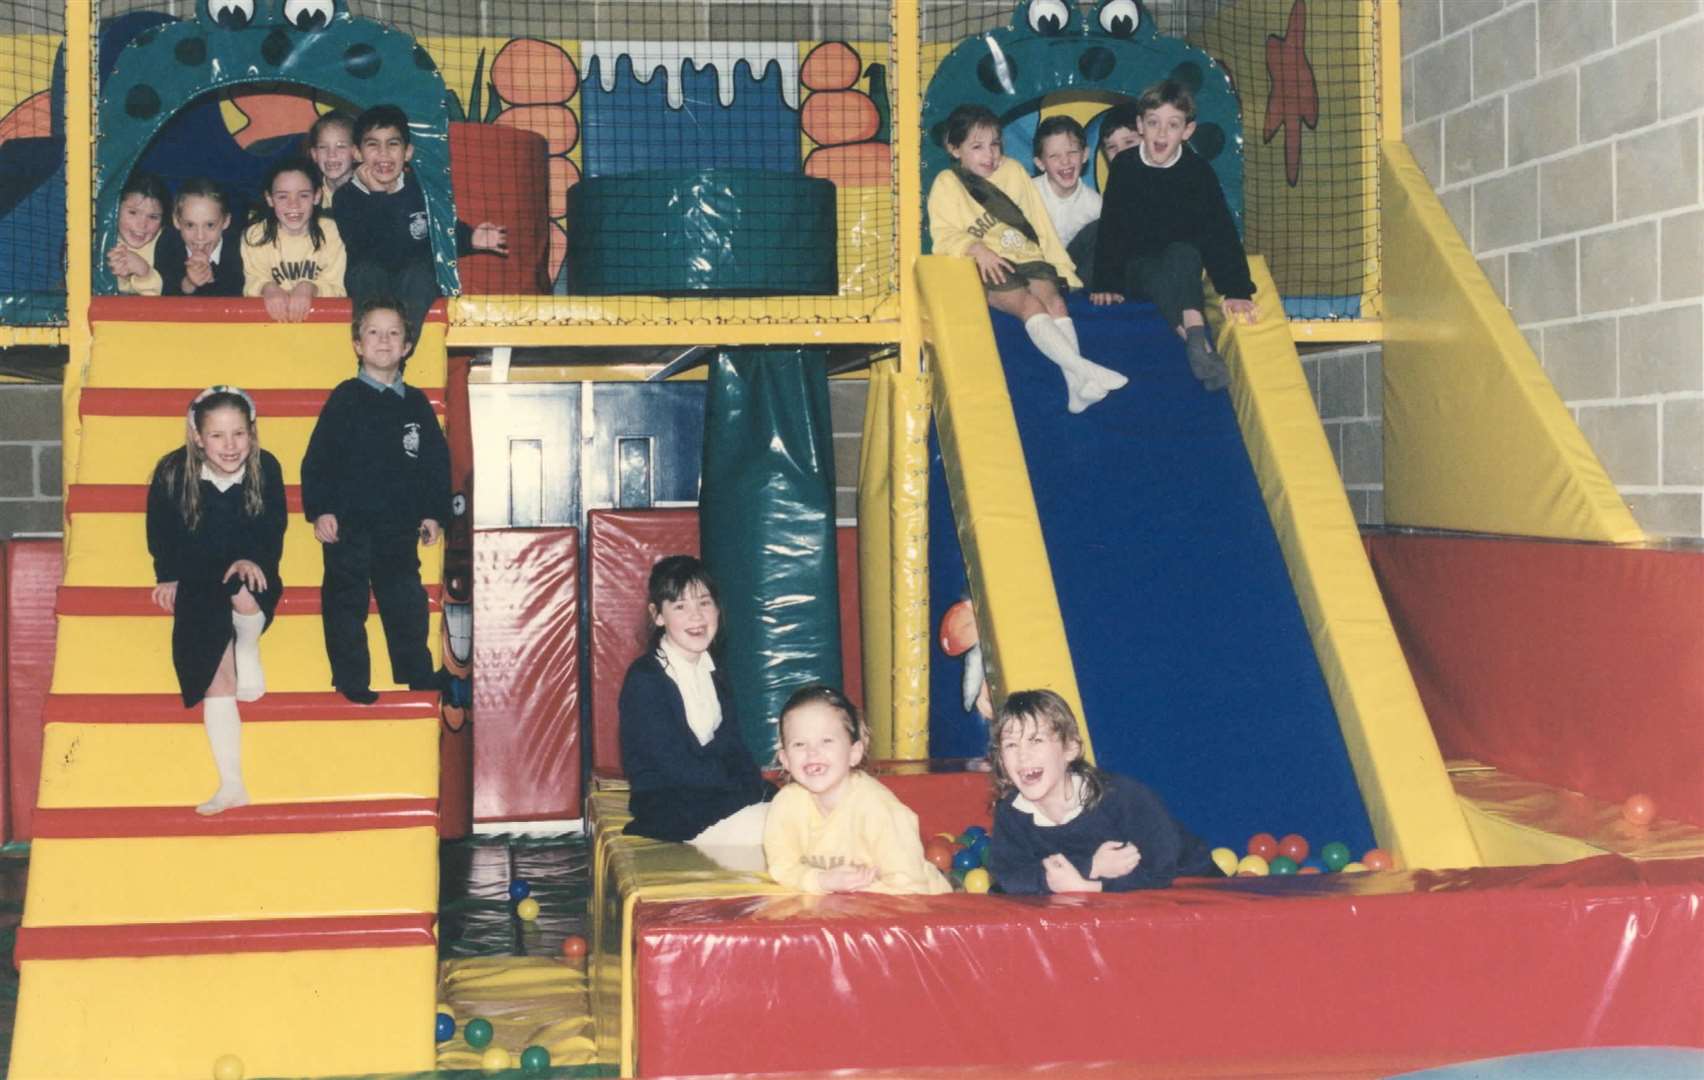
(986, 207)
(292, 253)
(141, 217)
(834, 827)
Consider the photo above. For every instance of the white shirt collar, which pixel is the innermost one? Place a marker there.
(697, 689)
(222, 483)
(1142, 148)
(1040, 815)
(401, 178)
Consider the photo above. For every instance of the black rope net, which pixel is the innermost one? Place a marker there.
(32, 164)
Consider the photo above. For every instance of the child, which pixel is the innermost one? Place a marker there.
(1164, 217)
(834, 827)
(216, 520)
(194, 259)
(691, 776)
(382, 212)
(986, 207)
(331, 144)
(141, 214)
(1062, 825)
(1121, 128)
(1073, 206)
(376, 478)
(291, 254)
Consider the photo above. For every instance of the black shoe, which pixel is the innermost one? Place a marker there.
(360, 696)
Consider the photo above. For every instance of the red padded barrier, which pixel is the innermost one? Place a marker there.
(943, 802)
(233, 309)
(526, 683)
(1581, 666)
(33, 570)
(1392, 967)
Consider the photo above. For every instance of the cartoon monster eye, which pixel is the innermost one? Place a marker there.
(1120, 18)
(1048, 17)
(309, 15)
(231, 14)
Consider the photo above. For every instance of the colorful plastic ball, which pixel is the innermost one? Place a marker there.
(1354, 868)
(1334, 855)
(527, 909)
(940, 852)
(228, 1067)
(1309, 867)
(1294, 847)
(535, 1061)
(958, 628)
(494, 1060)
(1283, 865)
(977, 881)
(1639, 810)
(974, 832)
(1378, 859)
(519, 889)
(573, 947)
(478, 1033)
(1263, 844)
(1226, 860)
(1253, 864)
(966, 860)
(446, 1027)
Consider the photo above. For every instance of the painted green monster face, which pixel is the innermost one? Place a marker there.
(310, 43)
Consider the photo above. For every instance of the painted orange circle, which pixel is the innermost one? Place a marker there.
(558, 124)
(834, 117)
(830, 66)
(564, 174)
(532, 72)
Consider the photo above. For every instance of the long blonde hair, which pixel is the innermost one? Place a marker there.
(182, 473)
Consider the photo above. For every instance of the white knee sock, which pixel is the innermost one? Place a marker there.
(251, 679)
(1081, 390)
(1107, 378)
(225, 736)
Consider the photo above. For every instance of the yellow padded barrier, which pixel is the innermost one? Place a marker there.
(324, 1013)
(875, 559)
(530, 1001)
(100, 652)
(1011, 580)
(200, 878)
(124, 449)
(1391, 747)
(1520, 822)
(1475, 436)
(254, 356)
(283, 762)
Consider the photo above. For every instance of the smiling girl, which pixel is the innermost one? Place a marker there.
(199, 257)
(292, 254)
(141, 215)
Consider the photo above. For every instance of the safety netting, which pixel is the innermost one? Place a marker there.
(32, 163)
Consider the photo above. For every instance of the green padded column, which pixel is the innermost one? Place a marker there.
(767, 529)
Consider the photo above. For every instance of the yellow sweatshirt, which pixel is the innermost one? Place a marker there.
(292, 259)
(870, 826)
(956, 221)
(148, 284)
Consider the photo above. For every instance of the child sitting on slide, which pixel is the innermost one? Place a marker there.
(834, 827)
(141, 216)
(986, 207)
(1061, 153)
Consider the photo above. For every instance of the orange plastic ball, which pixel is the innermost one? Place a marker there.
(940, 852)
(1639, 810)
(958, 628)
(573, 947)
(1378, 859)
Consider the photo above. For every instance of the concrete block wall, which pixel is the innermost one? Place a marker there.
(1348, 390)
(1564, 138)
(29, 459)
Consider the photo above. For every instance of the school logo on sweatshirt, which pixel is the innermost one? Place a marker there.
(417, 225)
(291, 271)
(411, 439)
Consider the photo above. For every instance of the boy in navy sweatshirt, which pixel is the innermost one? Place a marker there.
(376, 479)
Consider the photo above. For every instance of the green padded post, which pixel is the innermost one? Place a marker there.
(766, 517)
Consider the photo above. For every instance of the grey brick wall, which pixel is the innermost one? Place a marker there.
(1563, 136)
(29, 459)
(1348, 389)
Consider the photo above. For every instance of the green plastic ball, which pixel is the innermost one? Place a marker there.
(478, 1033)
(1282, 864)
(1335, 855)
(535, 1061)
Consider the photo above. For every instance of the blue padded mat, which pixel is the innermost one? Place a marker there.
(1195, 666)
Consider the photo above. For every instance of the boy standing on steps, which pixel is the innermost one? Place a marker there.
(376, 479)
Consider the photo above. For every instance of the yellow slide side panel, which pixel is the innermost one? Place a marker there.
(1011, 580)
(112, 550)
(1395, 756)
(328, 1013)
(875, 560)
(254, 356)
(198, 878)
(283, 762)
(133, 654)
(1475, 436)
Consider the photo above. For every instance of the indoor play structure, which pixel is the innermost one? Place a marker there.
(718, 242)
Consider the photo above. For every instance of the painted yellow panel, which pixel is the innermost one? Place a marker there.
(1475, 436)
(875, 560)
(196, 878)
(133, 654)
(1391, 747)
(125, 449)
(251, 355)
(328, 1013)
(303, 761)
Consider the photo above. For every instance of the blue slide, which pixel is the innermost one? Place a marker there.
(1195, 667)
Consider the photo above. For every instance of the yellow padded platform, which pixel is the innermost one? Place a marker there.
(1520, 822)
(254, 356)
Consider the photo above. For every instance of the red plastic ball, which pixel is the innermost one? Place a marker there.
(940, 852)
(1639, 810)
(1378, 859)
(958, 628)
(573, 947)
(1308, 870)
(1263, 844)
(1294, 847)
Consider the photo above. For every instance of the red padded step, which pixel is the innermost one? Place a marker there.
(133, 499)
(168, 708)
(223, 937)
(133, 600)
(269, 404)
(126, 822)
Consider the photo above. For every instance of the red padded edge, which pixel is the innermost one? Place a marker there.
(1373, 967)
(526, 686)
(33, 570)
(90, 823)
(942, 801)
(138, 600)
(274, 707)
(190, 309)
(1577, 665)
(268, 404)
(133, 499)
(225, 937)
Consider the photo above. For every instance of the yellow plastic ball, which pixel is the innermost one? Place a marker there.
(1354, 868)
(228, 1067)
(1226, 860)
(494, 1060)
(1253, 864)
(527, 909)
(977, 881)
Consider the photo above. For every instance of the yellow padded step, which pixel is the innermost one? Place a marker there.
(283, 762)
(125, 449)
(250, 355)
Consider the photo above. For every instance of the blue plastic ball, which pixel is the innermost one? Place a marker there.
(975, 832)
(967, 860)
(519, 889)
(979, 848)
(446, 1027)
